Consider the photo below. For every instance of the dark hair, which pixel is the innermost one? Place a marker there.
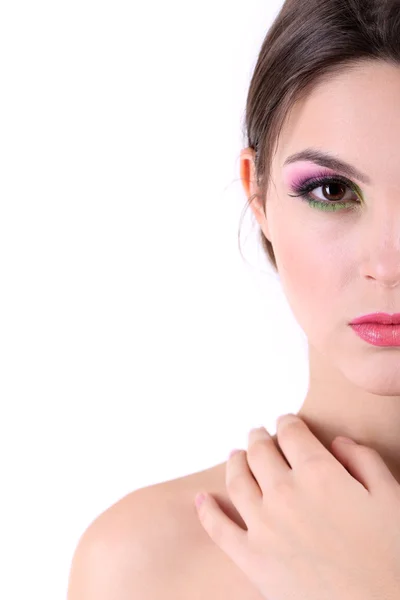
(308, 42)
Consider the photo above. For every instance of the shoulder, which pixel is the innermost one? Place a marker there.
(139, 545)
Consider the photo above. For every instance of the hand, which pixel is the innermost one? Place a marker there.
(315, 531)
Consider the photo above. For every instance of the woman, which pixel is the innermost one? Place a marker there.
(321, 171)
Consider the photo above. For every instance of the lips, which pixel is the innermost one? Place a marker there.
(378, 334)
(380, 318)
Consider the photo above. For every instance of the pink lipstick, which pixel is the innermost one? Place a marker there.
(379, 329)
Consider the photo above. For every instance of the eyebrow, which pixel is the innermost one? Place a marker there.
(324, 159)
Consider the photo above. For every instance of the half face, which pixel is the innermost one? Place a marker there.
(337, 241)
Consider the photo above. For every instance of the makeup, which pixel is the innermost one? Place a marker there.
(328, 160)
(378, 334)
(379, 329)
(347, 193)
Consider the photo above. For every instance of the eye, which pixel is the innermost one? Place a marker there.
(334, 196)
(332, 191)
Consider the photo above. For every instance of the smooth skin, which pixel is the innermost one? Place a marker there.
(151, 543)
(347, 263)
(317, 528)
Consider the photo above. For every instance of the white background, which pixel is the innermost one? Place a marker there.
(137, 345)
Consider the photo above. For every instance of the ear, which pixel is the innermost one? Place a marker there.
(249, 182)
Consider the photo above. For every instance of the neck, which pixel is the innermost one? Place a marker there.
(337, 405)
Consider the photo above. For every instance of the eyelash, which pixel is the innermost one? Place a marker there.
(312, 184)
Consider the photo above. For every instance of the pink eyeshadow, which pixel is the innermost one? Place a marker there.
(294, 175)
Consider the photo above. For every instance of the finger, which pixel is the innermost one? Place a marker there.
(228, 536)
(366, 465)
(265, 461)
(299, 444)
(242, 488)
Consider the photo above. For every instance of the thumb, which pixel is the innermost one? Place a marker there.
(364, 463)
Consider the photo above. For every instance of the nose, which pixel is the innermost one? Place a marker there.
(382, 253)
(385, 278)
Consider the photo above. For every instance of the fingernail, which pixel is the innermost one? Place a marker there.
(199, 499)
(260, 431)
(232, 452)
(287, 417)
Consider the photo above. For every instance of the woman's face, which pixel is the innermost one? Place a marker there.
(338, 264)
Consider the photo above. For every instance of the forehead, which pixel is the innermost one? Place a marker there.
(354, 114)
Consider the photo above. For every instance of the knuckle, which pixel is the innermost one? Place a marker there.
(282, 499)
(314, 461)
(318, 471)
(316, 467)
(282, 489)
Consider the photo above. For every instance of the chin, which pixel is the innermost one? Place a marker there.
(382, 378)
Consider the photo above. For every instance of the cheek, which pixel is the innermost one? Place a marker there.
(309, 263)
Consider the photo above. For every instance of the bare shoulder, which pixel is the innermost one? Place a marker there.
(151, 545)
(145, 545)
